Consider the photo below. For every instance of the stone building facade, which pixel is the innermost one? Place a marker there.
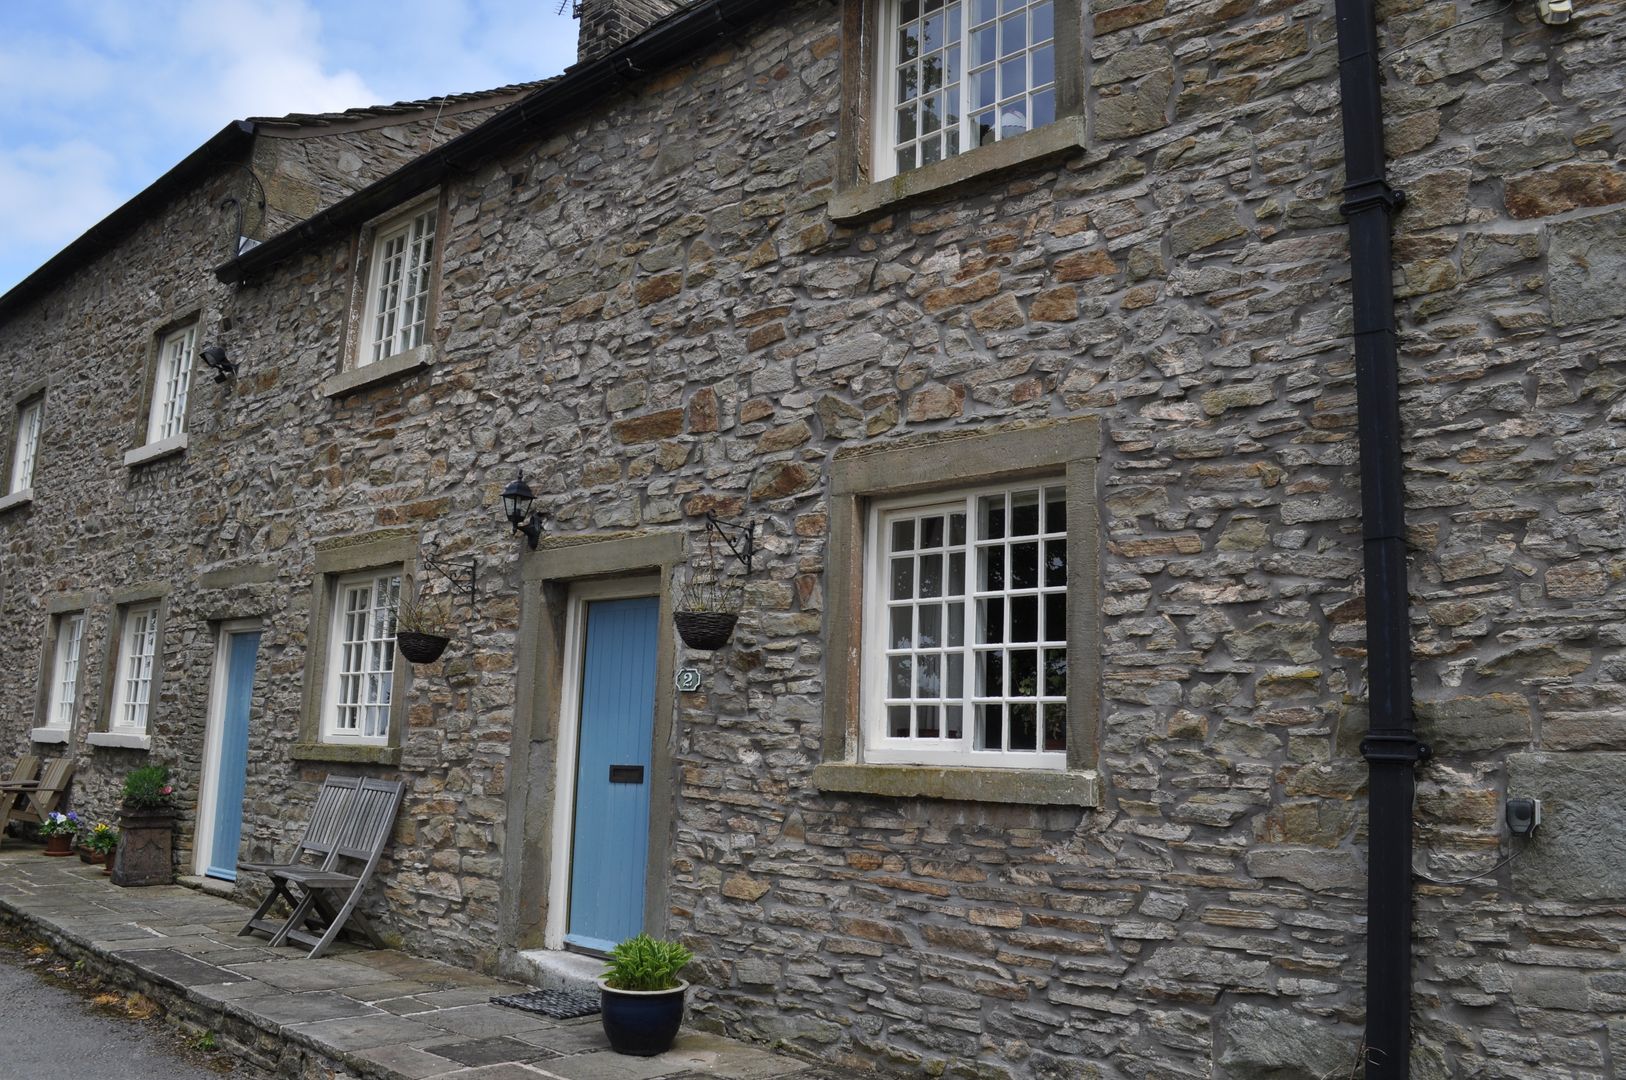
(688, 297)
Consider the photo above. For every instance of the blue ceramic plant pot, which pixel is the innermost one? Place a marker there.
(642, 1023)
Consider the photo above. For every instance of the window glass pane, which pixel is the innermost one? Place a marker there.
(991, 575)
(983, 10)
(909, 42)
(1013, 34)
(991, 624)
(1044, 107)
(1024, 513)
(1055, 510)
(1013, 80)
(991, 518)
(908, 83)
(1055, 616)
(954, 682)
(956, 624)
(1055, 673)
(1055, 563)
(983, 125)
(1044, 22)
(932, 74)
(1024, 727)
(931, 532)
(897, 721)
(952, 722)
(956, 581)
(903, 578)
(902, 631)
(991, 673)
(928, 676)
(951, 66)
(931, 627)
(931, 117)
(1024, 566)
(1024, 618)
(1024, 673)
(926, 721)
(903, 535)
(1007, 6)
(930, 151)
(909, 11)
(898, 683)
(906, 159)
(931, 576)
(984, 45)
(957, 529)
(906, 125)
(1055, 727)
(991, 727)
(1044, 66)
(931, 33)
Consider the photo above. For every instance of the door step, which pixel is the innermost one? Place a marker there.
(554, 969)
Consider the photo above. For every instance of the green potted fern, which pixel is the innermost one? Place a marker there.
(641, 997)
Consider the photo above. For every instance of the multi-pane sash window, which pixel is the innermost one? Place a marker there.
(64, 699)
(398, 308)
(133, 672)
(170, 385)
(965, 654)
(362, 658)
(27, 444)
(958, 74)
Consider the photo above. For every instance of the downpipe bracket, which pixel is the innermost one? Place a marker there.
(1368, 193)
(1395, 749)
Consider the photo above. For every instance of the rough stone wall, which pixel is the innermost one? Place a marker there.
(653, 314)
(310, 169)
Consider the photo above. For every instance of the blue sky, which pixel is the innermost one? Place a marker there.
(98, 98)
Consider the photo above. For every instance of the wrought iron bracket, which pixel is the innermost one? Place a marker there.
(745, 549)
(460, 572)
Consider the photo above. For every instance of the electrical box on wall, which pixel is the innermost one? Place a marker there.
(1523, 816)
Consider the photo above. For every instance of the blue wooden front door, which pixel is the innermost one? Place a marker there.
(610, 844)
(241, 651)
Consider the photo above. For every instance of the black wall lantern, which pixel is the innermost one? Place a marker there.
(216, 358)
(517, 498)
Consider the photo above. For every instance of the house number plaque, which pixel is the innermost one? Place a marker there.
(688, 680)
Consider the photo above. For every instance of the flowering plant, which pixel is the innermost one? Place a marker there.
(148, 788)
(100, 838)
(60, 824)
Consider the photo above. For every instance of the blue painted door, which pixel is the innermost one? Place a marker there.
(241, 651)
(610, 844)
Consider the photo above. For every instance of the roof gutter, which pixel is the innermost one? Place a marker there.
(225, 146)
(668, 42)
(1391, 747)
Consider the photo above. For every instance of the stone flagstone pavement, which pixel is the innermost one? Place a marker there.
(375, 1014)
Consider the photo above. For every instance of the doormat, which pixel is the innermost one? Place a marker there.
(559, 1004)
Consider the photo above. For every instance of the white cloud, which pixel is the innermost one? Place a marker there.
(49, 195)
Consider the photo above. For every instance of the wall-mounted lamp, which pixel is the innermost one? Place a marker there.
(1555, 12)
(215, 357)
(516, 504)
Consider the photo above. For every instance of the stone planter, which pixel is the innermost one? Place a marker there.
(145, 852)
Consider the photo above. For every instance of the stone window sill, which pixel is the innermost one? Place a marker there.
(1060, 139)
(163, 448)
(362, 755)
(1018, 787)
(120, 739)
(391, 367)
(17, 498)
(48, 735)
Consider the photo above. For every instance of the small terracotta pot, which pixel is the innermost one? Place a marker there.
(107, 861)
(59, 846)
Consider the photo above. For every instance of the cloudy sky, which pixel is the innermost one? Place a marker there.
(98, 98)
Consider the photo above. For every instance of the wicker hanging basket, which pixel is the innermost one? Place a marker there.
(706, 631)
(420, 648)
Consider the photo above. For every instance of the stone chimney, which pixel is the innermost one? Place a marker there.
(606, 25)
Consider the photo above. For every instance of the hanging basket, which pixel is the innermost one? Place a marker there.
(707, 631)
(421, 648)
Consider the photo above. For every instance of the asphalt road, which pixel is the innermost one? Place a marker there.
(48, 1033)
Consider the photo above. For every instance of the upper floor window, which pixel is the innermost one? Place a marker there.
(361, 659)
(63, 699)
(958, 74)
(132, 672)
(965, 652)
(397, 314)
(26, 447)
(172, 378)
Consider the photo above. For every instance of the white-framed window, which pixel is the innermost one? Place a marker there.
(958, 74)
(132, 685)
(361, 659)
(965, 628)
(63, 701)
(397, 314)
(26, 447)
(171, 381)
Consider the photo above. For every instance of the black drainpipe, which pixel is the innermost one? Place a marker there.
(1391, 748)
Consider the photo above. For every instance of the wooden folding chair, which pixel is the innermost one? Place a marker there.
(334, 803)
(362, 840)
(24, 777)
(39, 800)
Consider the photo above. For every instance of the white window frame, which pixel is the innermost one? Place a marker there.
(1007, 124)
(25, 447)
(171, 384)
(67, 653)
(133, 671)
(879, 745)
(403, 253)
(360, 671)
